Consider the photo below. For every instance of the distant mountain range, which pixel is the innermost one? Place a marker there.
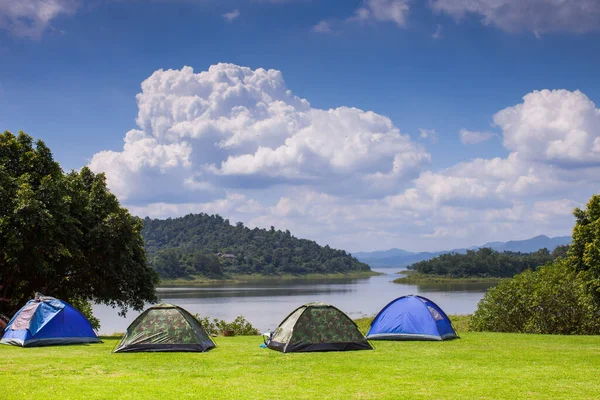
(402, 258)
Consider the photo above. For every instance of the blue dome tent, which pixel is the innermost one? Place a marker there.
(48, 321)
(411, 318)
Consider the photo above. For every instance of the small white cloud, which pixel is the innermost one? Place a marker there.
(428, 134)
(439, 32)
(30, 18)
(395, 11)
(322, 27)
(471, 137)
(230, 16)
(536, 16)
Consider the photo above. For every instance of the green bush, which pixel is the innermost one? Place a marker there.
(240, 326)
(461, 323)
(552, 299)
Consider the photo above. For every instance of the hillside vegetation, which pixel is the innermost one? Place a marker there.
(209, 246)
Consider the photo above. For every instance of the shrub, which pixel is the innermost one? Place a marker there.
(552, 299)
(240, 326)
(211, 327)
(461, 323)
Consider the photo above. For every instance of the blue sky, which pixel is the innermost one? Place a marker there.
(70, 75)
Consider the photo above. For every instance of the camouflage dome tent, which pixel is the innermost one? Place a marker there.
(165, 327)
(317, 327)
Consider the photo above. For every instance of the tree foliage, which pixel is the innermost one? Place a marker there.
(584, 254)
(486, 262)
(186, 246)
(65, 235)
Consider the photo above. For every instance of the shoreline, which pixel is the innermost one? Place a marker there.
(265, 278)
(417, 278)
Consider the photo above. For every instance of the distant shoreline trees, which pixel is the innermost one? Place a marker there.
(485, 262)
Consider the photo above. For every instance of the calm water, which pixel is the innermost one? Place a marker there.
(265, 304)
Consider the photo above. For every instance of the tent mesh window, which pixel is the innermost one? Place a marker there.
(435, 314)
(23, 320)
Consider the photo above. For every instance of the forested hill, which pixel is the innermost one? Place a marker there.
(208, 245)
(486, 262)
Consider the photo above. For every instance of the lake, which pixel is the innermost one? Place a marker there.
(266, 303)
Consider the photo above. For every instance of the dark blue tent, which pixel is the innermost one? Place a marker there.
(411, 318)
(48, 321)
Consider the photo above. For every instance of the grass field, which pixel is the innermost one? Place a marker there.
(479, 365)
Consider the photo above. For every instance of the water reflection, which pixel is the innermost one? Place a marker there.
(455, 287)
(219, 292)
(266, 303)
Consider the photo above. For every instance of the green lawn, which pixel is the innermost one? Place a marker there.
(480, 365)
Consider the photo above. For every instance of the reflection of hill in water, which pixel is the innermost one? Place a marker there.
(455, 287)
(212, 292)
(283, 287)
(271, 283)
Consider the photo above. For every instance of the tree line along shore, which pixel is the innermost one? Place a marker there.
(478, 266)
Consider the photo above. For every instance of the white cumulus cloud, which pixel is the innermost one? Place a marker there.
(236, 141)
(232, 126)
(556, 127)
(553, 166)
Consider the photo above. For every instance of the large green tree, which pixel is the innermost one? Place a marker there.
(584, 254)
(65, 235)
